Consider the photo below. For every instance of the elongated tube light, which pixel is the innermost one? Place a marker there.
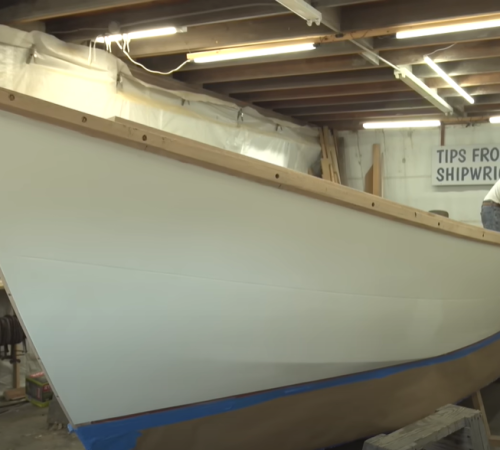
(448, 79)
(402, 124)
(454, 28)
(495, 119)
(247, 52)
(157, 32)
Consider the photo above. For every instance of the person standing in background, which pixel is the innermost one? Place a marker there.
(490, 210)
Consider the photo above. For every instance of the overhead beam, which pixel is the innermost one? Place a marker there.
(184, 14)
(396, 13)
(339, 100)
(314, 92)
(34, 10)
(392, 43)
(466, 80)
(333, 3)
(482, 95)
(282, 69)
(227, 35)
(370, 115)
(338, 63)
(329, 79)
(164, 63)
(356, 107)
(458, 68)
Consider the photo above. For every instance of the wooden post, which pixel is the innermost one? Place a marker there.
(15, 368)
(373, 178)
(377, 171)
(329, 161)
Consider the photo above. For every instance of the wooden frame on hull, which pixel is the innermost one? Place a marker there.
(189, 151)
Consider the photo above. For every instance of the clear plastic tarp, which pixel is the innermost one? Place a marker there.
(96, 82)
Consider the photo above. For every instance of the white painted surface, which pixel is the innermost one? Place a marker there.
(407, 167)
(209, 285)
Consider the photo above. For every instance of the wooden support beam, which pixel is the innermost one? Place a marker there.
(392, 43)
(179, 14)
(394, 13)
(340, 100)
(34, 10)
(303, 81)
(377, 171)
(481, 80)
(164, 63)
(460, 68)
(231, 34)
(482, 94)
(306, 66)
(325, 91)
(326, 118)
(15, 368)
(339, 63)
(357, 107)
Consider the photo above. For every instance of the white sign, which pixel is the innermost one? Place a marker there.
(466, 165)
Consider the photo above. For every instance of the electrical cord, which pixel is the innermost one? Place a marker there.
(125, 49)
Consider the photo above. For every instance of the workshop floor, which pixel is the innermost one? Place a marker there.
(24, 427)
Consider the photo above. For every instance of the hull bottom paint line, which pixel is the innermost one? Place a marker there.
(374, 402)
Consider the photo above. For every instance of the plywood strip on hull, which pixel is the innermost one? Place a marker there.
(232, 286)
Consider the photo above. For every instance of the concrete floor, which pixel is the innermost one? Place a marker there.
(24, 427)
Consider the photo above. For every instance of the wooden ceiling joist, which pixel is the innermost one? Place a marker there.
(357, 107)
(324, 91)
(179, 14)
(465, 51)
(303, 81)
(340, 100)
(35, 10)
(397, 13)
(230, 34)
(370, 115)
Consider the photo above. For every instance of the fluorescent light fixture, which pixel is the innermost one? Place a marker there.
(402, 124)
(448, 79)
(304, 10)
(157, 32)
(247, 52)
(495, 119)
(454, 28)
(406, 76)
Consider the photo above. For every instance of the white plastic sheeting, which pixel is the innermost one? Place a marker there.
(407, 158)
(98, 83)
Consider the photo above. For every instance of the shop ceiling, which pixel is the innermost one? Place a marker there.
(339, 84)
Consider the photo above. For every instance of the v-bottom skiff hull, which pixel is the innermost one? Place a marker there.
(148, 284)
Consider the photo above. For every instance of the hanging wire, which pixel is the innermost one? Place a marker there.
(440, 49)
(126, 48)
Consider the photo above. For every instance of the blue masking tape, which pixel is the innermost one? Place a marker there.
(123, 434)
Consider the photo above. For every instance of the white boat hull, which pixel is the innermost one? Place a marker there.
(149, 283)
